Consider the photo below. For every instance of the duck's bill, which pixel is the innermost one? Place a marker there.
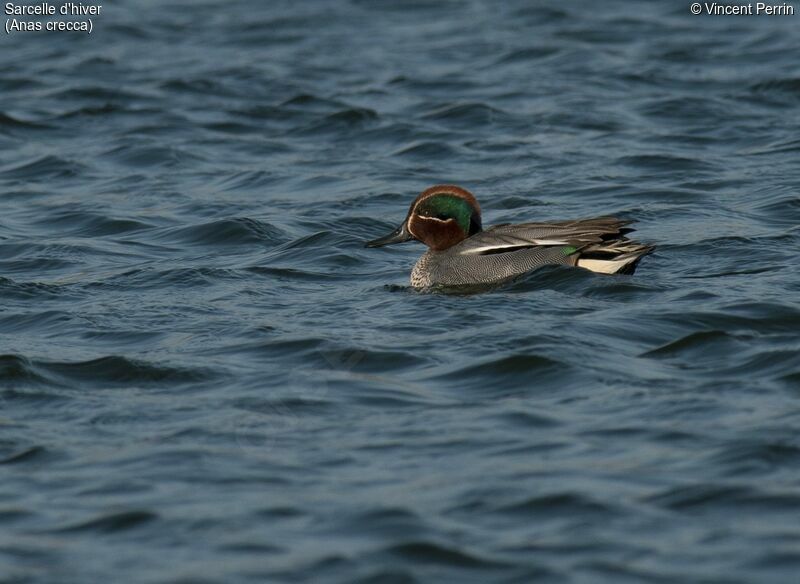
(399, 235)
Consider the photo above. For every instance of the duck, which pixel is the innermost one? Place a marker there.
(447, 218)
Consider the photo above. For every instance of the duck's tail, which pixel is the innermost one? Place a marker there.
(618, 256)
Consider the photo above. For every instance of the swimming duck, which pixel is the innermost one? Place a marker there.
(447, 219)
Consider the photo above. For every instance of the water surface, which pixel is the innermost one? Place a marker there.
(204, 376)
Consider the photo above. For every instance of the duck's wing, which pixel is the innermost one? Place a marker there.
(578, 233)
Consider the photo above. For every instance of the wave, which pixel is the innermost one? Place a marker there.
(556, 505)
(147, 155)
(109, 523)
(227, 232)
(109, 371)
(44, 168)
(8, 122)
(32, 454)
(467, 115)
(33, 290)
(783, 86)
(709, 496)
(511, 374)
(527, 55)
(89, 224)
(426, 150)
(429, 552)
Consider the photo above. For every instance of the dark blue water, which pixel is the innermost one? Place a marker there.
(206, 378)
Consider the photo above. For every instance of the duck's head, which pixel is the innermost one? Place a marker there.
(439, 217)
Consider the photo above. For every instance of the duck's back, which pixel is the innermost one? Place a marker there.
(506, 251)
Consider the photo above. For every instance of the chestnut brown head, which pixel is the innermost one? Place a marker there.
(440, 217)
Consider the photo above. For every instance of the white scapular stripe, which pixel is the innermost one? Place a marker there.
(527, 242)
